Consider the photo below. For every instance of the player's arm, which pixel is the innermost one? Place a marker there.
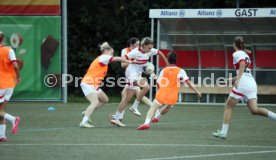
(192, 86)
(15, 66)
(124, 65)
(185, 78)
(120, 59)
(163, 57)
(17, 72)
(241, 70)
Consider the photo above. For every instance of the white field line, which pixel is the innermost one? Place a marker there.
(212, 155)
(155, 145)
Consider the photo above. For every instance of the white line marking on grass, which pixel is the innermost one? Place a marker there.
(156, 145)
(212, 155)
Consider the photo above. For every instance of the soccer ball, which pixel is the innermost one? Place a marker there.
(149, 68)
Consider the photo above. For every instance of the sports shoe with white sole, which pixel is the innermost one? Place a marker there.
(86, 125)
(15, 125)
(143, 127)
(89, 120)
(112, 117)
(218, 134)
(135, 111)
(117, 123)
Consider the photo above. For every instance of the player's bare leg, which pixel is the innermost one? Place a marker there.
(231, 102)
(142, 83)
(94, 102)
(122, 105)
(2, 123)
(252, 105)
(150, 114)
(163, 110)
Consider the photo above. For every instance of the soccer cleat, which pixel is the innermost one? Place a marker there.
(15, 125)
(89, 120)
(117, 123)
(155, 120)
(112, 117)
(218, 134)
(86, 125)
(4, 139)
(135, 111)
(143, 126)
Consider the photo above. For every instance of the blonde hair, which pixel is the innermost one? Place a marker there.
(105, 46)
(146, 41)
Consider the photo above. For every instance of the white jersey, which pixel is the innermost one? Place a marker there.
(134, 71)
(239, 56)
(247, 87)
(105, 59)
(182, 75)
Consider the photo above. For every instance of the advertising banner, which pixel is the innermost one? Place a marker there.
(33, 29)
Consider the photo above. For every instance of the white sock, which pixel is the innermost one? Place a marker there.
(85, 119)
(9, 117)
(122, 115)
(224, 128)
(147, 121)
(118, 115)
(135, 104)
(157, 114)
(271, 115)
(2, 130)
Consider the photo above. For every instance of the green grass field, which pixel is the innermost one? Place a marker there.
(183, 133)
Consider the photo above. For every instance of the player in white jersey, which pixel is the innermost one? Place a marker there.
(245, 88)
(133, 74)
(133, 43)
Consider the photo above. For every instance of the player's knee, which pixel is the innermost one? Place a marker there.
(254, 111)
(106, 100)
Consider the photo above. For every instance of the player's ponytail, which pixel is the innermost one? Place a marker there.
(146, 41)
(239, 44)
(105, 46)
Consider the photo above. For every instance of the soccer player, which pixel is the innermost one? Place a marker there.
(245, 88)
(133, 43)
(92, 80)
(10, 76)
(134, 78)
(167, 94)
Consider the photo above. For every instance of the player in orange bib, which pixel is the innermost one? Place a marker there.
(92, 80)
(9, 77)
(167, 94)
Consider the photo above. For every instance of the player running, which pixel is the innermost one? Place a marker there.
(133, 43)
(134, 78)
(92, 80)
(10, 76)
(167, 94)
(245, 88)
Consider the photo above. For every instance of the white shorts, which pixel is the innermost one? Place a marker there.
(132, 77)
(87, 89)
(247, 88)
(129, 86)
(5, 94)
